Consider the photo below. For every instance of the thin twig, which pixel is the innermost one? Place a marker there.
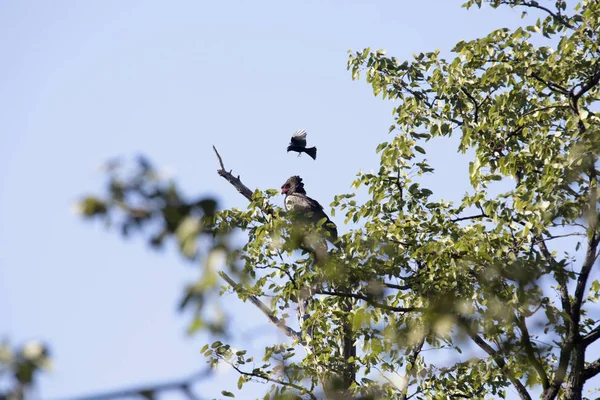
(277, 381)
(399, 287)
(370, 301)
(557, 16)
(478, 216)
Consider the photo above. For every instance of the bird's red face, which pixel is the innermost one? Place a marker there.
(292, 186)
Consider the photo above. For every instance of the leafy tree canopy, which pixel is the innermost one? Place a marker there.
(481, 278)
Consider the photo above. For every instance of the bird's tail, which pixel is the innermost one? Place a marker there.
(312, 151)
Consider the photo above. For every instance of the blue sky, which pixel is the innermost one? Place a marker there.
(84, 81)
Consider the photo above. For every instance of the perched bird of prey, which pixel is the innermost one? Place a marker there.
(298, 144)
(300, 204)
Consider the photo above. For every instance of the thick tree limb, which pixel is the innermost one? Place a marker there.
(576, 378)
(592, 369)
(267, 311)
(182, 385)
(592, 244)
(591, 337)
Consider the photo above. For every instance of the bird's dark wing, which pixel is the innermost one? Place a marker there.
(301, 203)
(299, 138)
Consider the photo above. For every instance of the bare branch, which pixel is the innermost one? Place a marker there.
(236, 182)
(267, 311)
(219, 157)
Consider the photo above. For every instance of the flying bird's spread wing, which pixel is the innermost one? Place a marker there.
(299, 138)
(298, 144)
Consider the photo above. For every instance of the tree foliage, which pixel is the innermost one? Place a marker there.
(485, 279)
(20, 367)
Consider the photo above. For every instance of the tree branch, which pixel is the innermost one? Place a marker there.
(591, 337)
(595, 79)
(564, 294)
(236, 182)
(370, 301)
(525, 340)
(498, 359)
(277, 381)
(567, 347)
(592, 369)
(412, 357)
(297, 336)
(588, 263)
(182, 385)
(552, 237)
(556, 15)
(399, 287)
(482, 215)
(555, 87)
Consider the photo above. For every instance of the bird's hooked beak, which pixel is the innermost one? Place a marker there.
(284, 189)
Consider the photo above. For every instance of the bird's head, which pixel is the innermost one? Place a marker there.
(293, 185)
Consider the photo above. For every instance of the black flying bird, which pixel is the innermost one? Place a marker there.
(299, 203)
(298, 144)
